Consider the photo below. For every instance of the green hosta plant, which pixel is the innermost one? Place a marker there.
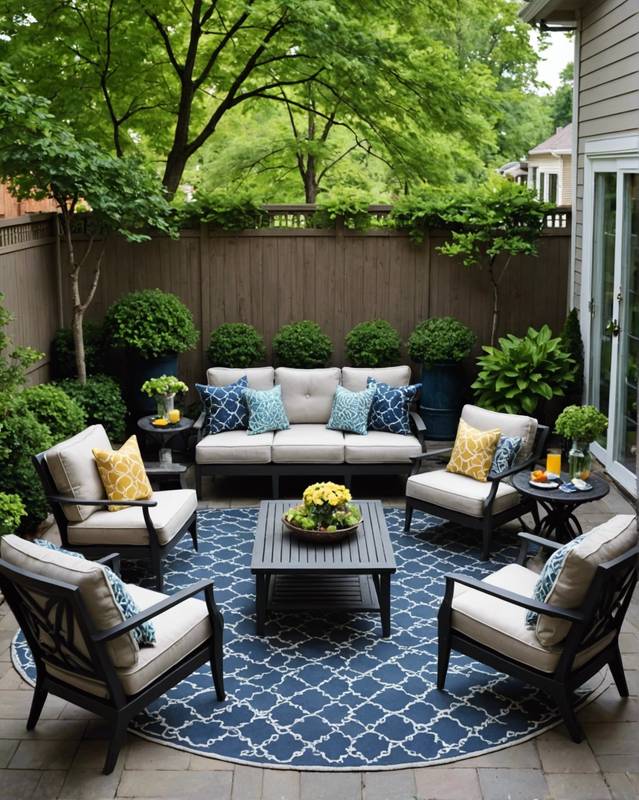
(439, 340)
(583, 423)
(236, 344)
(519, 373)
(373, 344)
(164, 385)
(11, 512)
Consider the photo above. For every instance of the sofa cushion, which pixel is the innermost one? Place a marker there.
(473, 451)
(351, 409)
(459, 493)
(391, 406)
(179, 631)
(568, 572)
(91, 580)
(502, 626)
(122, 473)
(380, 448)
(266, 410)
(308, 393)
(224, 407)
(308, 444)
(74, 471)
(174, 507)
(508, 424)
(258, 377)
(235, 447)
(355, 378)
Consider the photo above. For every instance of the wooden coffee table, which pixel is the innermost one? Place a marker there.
(294, 575)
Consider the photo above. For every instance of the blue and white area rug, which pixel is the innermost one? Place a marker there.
(331, 693)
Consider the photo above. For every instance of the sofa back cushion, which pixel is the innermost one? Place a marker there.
(89, 577)
(74, 471)
(308, 393)
(354, 378)
(260, 378)
(508, 424)
(566, 577)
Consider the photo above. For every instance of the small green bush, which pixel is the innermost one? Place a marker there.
(230, 211)
(53, 407)
(151, 323)
(573, 344)
(373, 344)
(101, 399)
(21, 437)
(519, 373)
(348, 204)
(11, 512)
(583, 423)
(235, 344)
(439, 340)
(63, 351)
(302, 345)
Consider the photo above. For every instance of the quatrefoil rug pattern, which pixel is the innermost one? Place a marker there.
(331, 693)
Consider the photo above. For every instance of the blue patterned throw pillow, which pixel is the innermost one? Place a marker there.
(224, 407)
(350, 410)
(266, 410)
(391, 404)
(549, 574)
(508, 448)
(144, 634)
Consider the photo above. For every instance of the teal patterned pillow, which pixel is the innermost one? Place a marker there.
(144, 633)
(507, 451)
(350, 410)
(266, 410)
(549, 574)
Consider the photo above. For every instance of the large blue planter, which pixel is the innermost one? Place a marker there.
(142, 369)
(441, 399)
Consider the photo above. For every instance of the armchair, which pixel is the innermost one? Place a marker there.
(84, 652)
(145, 530)
(475, 504)
(486, 620)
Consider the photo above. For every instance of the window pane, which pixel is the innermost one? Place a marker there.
(542, 176)
(552, 188)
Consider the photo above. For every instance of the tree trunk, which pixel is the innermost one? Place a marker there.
(173, 171)
(310, 180)
(78, 341)
(495, 317)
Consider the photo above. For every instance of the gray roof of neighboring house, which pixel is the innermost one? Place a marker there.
(559, 142)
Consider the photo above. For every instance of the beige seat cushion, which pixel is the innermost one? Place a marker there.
(307, 394)
(459, 493)
(609, 540)
(379, 447)
(502, 626)
(302, 444)
(354, 378)
(91, 580)
(179, 631)
(508, 424)
(234, 447)
(258, 377)
(74, 470)
(174, 507)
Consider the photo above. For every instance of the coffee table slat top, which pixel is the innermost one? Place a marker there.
(277, 550)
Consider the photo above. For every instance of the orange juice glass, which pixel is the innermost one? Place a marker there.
(174, 415)
(553, 462)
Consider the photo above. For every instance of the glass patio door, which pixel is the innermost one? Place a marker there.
(614, 335)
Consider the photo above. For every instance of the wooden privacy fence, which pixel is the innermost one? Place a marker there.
(272, 276)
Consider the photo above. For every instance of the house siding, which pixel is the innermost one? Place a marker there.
(608, 99)
(561, 165)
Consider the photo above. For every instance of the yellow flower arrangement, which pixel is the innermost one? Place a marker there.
(326, 507)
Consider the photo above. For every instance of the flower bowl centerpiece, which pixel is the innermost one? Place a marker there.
(326, 515)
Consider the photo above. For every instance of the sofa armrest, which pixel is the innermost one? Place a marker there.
(417, 423)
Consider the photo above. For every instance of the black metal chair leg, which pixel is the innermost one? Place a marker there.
(37, 703)
(408, 517)
(617, 670)
(118, 738)
(217, 669)
(198, 483)
(156, 563)
(443, 657)
(486, 535)
(193, 532)
(563, 699)
(275, 485)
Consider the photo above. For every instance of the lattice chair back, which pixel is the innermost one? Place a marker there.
(58, 628)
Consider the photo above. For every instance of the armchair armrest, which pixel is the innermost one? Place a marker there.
(74, 501)
(431, 454)
(418, 424)
(493, 476)
(153, 611)
(569, 614)
(112, 560)
(199, 422)
(530, 537)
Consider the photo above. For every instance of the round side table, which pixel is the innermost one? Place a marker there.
(560, 522)
(165, 470)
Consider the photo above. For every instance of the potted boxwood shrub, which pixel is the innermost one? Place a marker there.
(373, 344)
(154, 327)
(235, 344)
(583, 425)
(302, 345)
(440, 344)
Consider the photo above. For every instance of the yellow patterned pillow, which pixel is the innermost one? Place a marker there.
(122, 473)
(473, 451)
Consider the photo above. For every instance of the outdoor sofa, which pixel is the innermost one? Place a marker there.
(307, 447)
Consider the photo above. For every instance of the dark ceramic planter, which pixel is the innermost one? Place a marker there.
(442, 399)
(142, 369)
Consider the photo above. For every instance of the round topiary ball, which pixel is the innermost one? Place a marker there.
(302, 345)
(236, 344)
(375, 343)
(439, 340)
(53, 407)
